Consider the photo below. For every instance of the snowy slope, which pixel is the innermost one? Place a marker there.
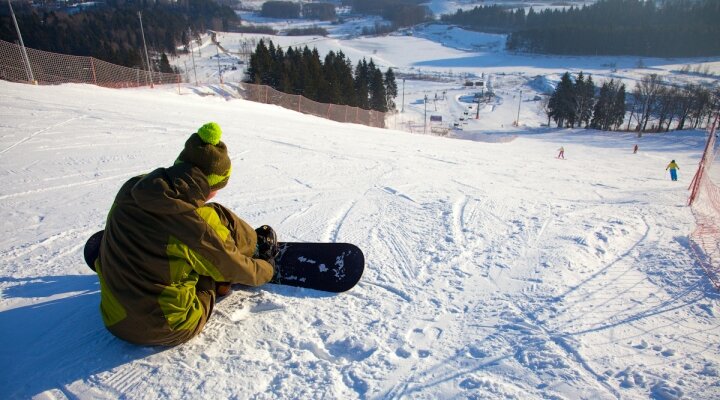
(493, 270)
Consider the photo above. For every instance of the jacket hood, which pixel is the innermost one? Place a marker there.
(175, 190)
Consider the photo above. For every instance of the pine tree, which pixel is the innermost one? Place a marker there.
(378, 95)
(619, 107)
(165, 64)
(585, 95)
(332, 94)
(258, 71)
(276, 59)
(346, 85)
(603, 107)
(391, 89)
(562, 102)
(610, 107)
(362, 84)
(314, 84)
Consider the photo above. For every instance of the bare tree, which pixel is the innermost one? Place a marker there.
(684, 104)
(666, 103)
(544, 105)
(646, 92)
(702, 100)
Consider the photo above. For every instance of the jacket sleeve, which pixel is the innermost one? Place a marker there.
(225, 247)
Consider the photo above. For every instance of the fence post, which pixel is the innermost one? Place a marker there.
(299, 101)
(328, 111)
(92, 68)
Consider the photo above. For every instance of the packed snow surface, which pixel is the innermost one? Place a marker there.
(494, 270)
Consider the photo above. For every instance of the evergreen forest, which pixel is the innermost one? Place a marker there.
(671, 28)
(400, 13)
(111, 32)
(330, 80)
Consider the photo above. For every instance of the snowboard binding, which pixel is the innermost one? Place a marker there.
(267, 244)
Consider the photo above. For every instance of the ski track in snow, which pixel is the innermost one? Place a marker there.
(32, 135)
(491, 270)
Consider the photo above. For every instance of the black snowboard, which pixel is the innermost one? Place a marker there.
(330, 267)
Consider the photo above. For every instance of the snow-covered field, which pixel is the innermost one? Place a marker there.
(437, 58)
(494, 270)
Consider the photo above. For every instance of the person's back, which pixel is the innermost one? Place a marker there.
(164, 249)
(673, 167)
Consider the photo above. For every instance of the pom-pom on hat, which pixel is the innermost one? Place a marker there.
(205, 150)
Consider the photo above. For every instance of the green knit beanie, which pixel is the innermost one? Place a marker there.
(205, 150)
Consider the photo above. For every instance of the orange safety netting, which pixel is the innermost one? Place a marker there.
(335, 112)
(705, 203)
(52, 68)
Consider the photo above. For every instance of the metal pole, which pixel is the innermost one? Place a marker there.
(517, 121)
(147, 59)
(403, 98)
(217, 48)
(192, 54)
(425, 119)
(26, 59)
(477, 115)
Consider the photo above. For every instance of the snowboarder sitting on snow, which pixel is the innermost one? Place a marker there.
(166, 252)
(673, 170)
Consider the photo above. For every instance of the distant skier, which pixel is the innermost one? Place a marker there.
(635, 149)
(562, 153)
(673, 167)
(166, 253)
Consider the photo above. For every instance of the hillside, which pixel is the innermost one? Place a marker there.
(493, 270)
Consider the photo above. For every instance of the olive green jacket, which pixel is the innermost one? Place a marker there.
(161, 238)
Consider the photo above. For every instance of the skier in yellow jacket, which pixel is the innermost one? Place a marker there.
(673, 167)
(166, 250)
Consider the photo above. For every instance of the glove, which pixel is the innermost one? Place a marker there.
(223, 288)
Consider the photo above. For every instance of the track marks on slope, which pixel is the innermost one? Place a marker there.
(87, 182)
(70, 235)
(125, 380)
(335, 224)
(32, 135)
